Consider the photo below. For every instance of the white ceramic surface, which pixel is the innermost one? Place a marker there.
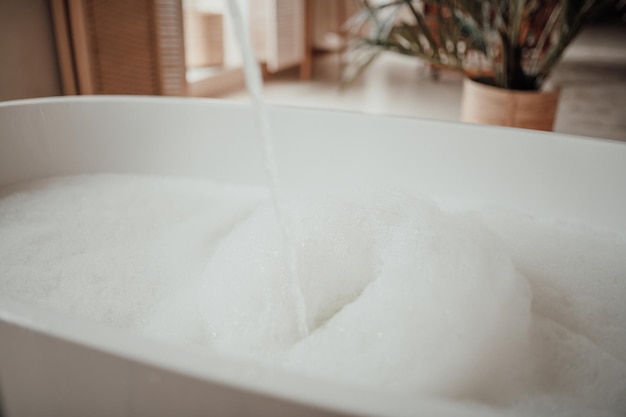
(54, 364)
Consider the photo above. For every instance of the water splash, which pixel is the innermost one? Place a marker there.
(254, 83)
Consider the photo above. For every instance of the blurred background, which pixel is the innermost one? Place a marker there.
(185, 48)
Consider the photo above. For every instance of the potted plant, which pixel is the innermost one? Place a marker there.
(506, 48)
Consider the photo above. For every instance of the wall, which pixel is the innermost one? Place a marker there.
(28, 63)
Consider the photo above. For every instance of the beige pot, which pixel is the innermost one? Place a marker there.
(497, 106)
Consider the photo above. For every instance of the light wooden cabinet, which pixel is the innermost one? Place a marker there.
(277, 29)
(204, 39)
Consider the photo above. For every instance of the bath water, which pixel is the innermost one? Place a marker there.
(524, 315)
(254, 82)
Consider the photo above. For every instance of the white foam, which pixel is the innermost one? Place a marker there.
(402, 297)
(111, 247)
(578, 333)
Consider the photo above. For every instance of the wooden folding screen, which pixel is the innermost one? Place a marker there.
(120, 46)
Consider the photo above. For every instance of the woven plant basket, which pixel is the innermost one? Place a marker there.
(497, 106)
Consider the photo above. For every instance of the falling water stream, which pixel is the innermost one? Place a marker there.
(254, 83)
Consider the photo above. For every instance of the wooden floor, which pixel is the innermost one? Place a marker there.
(592, 78)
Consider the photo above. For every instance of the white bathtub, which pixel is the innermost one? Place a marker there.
(55, 364)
